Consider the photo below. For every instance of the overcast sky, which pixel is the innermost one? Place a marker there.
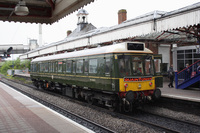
(102, 13)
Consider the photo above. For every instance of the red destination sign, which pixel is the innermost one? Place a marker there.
(138, 79)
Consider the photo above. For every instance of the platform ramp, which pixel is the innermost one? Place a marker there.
(188, 77)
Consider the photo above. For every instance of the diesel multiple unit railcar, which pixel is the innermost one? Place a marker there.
(118, 76)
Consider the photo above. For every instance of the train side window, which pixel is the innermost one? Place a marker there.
(74, 66)
(69, 66)
(93, 66)
(60, 63)
(79, 66)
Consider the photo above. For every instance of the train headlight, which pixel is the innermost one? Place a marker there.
(150, 83)
(125, 85)
(139, 86)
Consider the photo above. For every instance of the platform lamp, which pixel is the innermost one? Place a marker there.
(21, 9)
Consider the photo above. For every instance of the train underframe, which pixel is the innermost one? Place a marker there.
(121, 101)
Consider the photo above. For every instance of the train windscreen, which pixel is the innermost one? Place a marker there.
(135, 65)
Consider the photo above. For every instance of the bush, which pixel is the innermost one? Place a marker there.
(17, 64)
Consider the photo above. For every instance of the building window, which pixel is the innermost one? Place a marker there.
(186, 56)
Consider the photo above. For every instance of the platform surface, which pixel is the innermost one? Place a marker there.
(20, 114)
(190, 94)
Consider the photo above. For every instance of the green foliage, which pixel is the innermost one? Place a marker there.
(5, 67)
(18, 64)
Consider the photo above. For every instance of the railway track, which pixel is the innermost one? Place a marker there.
(97, 128)
(155, 121)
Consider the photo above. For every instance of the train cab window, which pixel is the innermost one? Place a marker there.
(149, 66)
(137, 65)
(60, 63)
(93, 66)
(69, 66)
(79, 66)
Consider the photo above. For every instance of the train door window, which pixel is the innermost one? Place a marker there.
(149, 70)
(34, 67)
(86, 66)
(124, 65)
(56, 67)
(60, 64)
(64, 66)
(53, 67)
(100, 67)
(69, 66)
(46, 67)
(49, 66)
(41, 67)
(93, 66)
(79, 66)
(107, 66)
(74, 66)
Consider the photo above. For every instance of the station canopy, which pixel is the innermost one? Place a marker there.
(40, 11)
(181, 27)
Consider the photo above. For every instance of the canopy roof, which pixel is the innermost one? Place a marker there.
(40, 11)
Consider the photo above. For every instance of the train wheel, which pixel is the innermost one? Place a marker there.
(156, 94)
(90, 100)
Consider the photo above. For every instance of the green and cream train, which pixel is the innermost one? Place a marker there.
(118, 76)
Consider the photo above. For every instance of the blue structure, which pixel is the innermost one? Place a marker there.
(187, 76)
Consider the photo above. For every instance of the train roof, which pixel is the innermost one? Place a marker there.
(115, 48)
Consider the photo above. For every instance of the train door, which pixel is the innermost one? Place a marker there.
(158, 70)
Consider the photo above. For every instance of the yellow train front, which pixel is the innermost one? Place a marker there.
(139, 76)
(118, 76)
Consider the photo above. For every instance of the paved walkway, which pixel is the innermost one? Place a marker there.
(186, 94)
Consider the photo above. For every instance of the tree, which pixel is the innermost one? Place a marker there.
(7, 65)
(17, 64)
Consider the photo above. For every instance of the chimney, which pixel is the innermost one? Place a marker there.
(69, 32)
(121, 16)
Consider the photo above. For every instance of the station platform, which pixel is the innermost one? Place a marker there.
(191, 94)
(20, 114)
